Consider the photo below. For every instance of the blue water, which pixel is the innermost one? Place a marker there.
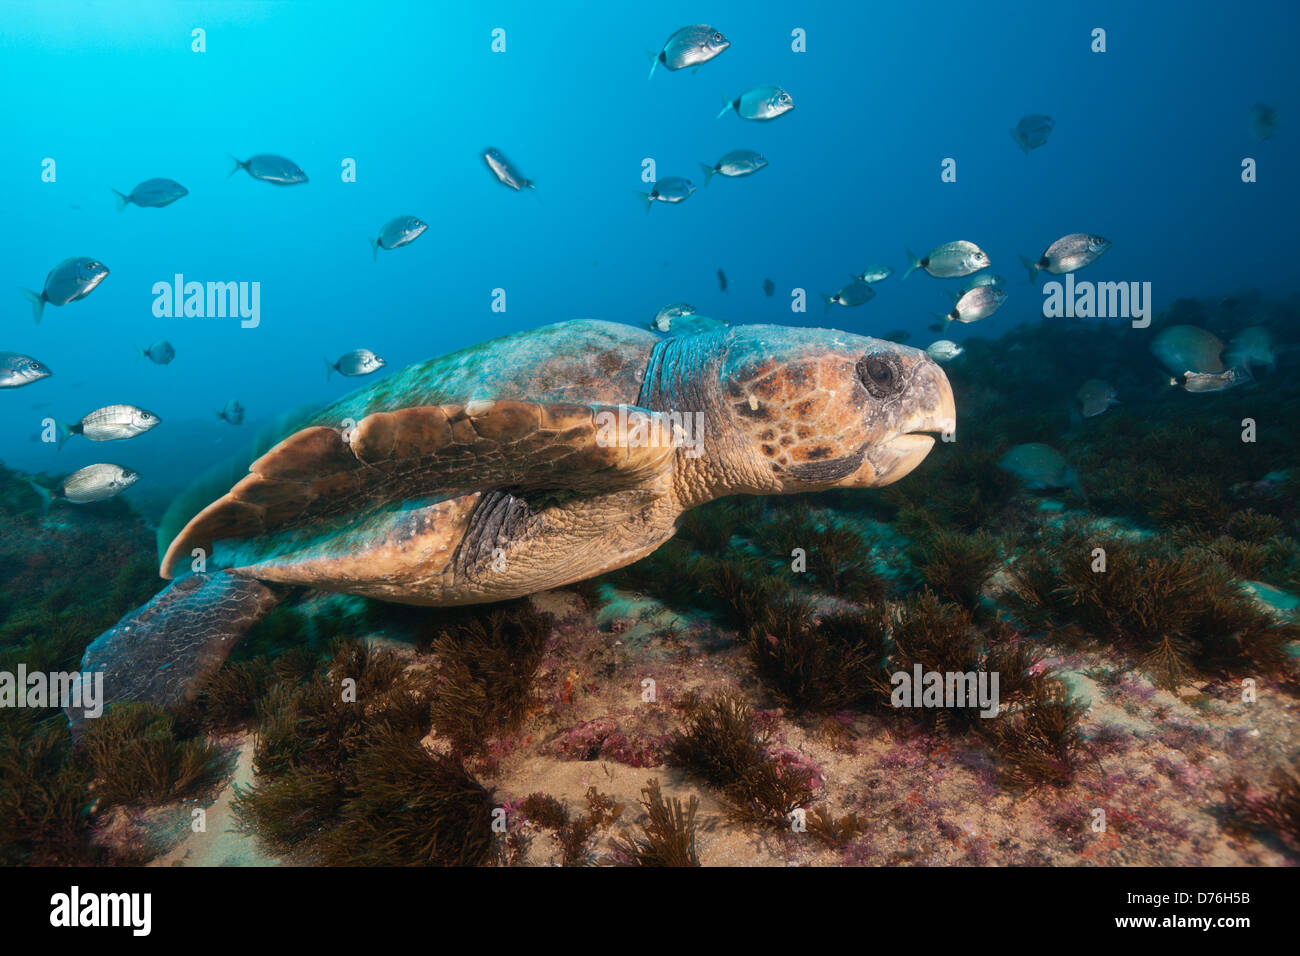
(1147, 152)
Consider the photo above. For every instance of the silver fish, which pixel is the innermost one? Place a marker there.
(1211, 381)
(1095, 396)
(663, 320)
(944, 350)
(17, 370)
(874, 274)
(1263, 121)
(111, 423)
(689, 46)
(398, 232)
(1251, 348)
(1188, 348)
(769, 288)
(92, 483)
(1032, 131)
(952, 260)
(738, 162)
(1067, 254)
(979, 303)
(762, 103)
(505, 171)
(160, 353)
(355, 363)
(232, 413)
(1040, 466)
(670, 189)
(856, 292)
(152, 193)
(687, 325)
(270, 168)
(984, 278)
(70, 280)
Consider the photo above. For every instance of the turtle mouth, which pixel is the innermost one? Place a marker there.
(935, 413)
(899, 457)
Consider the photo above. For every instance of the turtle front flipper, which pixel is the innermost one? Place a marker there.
(164, 650)
(323, 473)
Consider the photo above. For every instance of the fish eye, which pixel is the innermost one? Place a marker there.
(879, 374)
(717, 38)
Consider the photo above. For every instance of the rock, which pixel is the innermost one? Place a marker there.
(582, 741)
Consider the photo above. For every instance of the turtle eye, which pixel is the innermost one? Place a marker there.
(880, 375)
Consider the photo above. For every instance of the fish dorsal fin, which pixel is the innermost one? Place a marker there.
(323, 472)
(685, 325)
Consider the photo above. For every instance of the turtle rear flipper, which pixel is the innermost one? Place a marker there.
(164, 650)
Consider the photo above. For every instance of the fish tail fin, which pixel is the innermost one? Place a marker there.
(1020, 142)
(828, 300)
(1032, 267)
(140, 353)
(1072, 482)
(47, 496)
(374, 250)
(37, 300)
(913, 263)
(121, 200)
(645, 198)
(728, 104)
(708, 172)
(329, 369)
(654, 62)
(235, 166)
(64, 432)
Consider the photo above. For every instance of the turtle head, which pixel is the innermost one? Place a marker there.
(816, 408)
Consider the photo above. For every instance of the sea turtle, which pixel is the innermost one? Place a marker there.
(525, 463)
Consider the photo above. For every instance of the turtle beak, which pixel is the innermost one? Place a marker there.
(929, 410)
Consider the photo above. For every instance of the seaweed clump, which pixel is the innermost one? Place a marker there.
(822, 664)
(44, 799)
(1275, 813)
(572, 833)
(342, 776)
(935, 636)
(956, 565)
(723, 745)
(487, 661)
(1040, 743)
(136, 758)
(668, 833)
(1179, 613)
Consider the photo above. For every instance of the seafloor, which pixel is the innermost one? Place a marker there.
(712, 705)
